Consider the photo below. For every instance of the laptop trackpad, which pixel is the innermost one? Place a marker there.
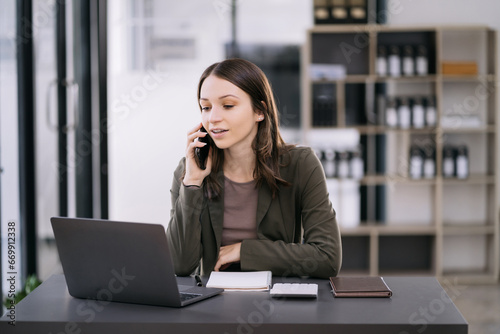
(187, 288)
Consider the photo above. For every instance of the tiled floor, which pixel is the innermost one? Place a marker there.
(479, 304)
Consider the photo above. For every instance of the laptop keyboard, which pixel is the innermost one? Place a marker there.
(187, 296)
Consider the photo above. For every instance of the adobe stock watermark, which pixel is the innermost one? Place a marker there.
(126, 102)
(469, 105)
(456, 116)
(361, 39)
(89, 308)
(120, 109)
(286, 117)
(427, 314)
(264, 309)
(43, 16)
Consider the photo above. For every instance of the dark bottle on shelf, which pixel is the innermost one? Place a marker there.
(340, 13)
(321, 12)
(358, 11)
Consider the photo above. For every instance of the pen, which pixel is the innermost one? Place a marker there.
(198, 280)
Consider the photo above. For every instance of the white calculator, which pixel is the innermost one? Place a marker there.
(296, 290)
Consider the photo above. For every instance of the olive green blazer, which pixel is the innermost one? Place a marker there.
(297, 231)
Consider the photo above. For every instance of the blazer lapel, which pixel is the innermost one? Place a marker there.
(263, 203)
(216, 210)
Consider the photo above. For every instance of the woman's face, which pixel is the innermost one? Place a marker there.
(227, 114)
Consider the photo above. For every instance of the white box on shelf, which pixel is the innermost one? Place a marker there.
(327, 71)
(461, 121)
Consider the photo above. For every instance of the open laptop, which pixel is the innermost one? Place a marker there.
(121, 262)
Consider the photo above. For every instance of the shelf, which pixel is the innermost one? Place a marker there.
(470, 78)
(446, 227)
(395, 178)
(427, 78)
(346, 79)
(364, 78)
(393, 229)
(347, 28)
(382, 129)
(407, 229)
(356, 231)
(472, 179)
(375, 28)
(479, 130)
(406, 253)
(373, 180)
(478, 229)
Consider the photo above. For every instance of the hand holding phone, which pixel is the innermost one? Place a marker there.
(201, 153)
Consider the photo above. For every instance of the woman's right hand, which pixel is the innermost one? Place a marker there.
(195, 175)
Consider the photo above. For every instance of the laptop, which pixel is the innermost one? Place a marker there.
(121, 262)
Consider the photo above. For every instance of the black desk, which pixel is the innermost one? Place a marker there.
(419, 305)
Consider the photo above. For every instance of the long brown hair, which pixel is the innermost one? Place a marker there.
(268, 143)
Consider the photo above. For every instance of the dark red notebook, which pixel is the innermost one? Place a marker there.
(369, 286)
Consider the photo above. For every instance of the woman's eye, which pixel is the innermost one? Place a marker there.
(205, 108)
(228, 106)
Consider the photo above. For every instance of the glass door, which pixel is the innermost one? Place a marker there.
(71, 137)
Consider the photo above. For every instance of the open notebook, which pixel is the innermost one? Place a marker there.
(240, 281)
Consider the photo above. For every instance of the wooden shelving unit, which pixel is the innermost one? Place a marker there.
(452, 229)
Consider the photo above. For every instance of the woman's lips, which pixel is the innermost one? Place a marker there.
(218, 133)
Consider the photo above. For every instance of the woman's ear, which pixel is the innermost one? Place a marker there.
(264, 104)
(260, 113)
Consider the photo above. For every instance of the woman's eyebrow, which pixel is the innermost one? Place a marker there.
(220, 98)
(228, 95)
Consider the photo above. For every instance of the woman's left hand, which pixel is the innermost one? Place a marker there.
(227, 255)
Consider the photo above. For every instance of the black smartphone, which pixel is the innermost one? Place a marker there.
(201, 153)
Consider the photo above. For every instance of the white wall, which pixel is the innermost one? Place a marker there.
(441, 12)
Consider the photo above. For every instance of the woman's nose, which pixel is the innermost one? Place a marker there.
(215, 115)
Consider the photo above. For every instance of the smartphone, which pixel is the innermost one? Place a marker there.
(201, 153)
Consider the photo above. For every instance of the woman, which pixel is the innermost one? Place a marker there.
(260, 204)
